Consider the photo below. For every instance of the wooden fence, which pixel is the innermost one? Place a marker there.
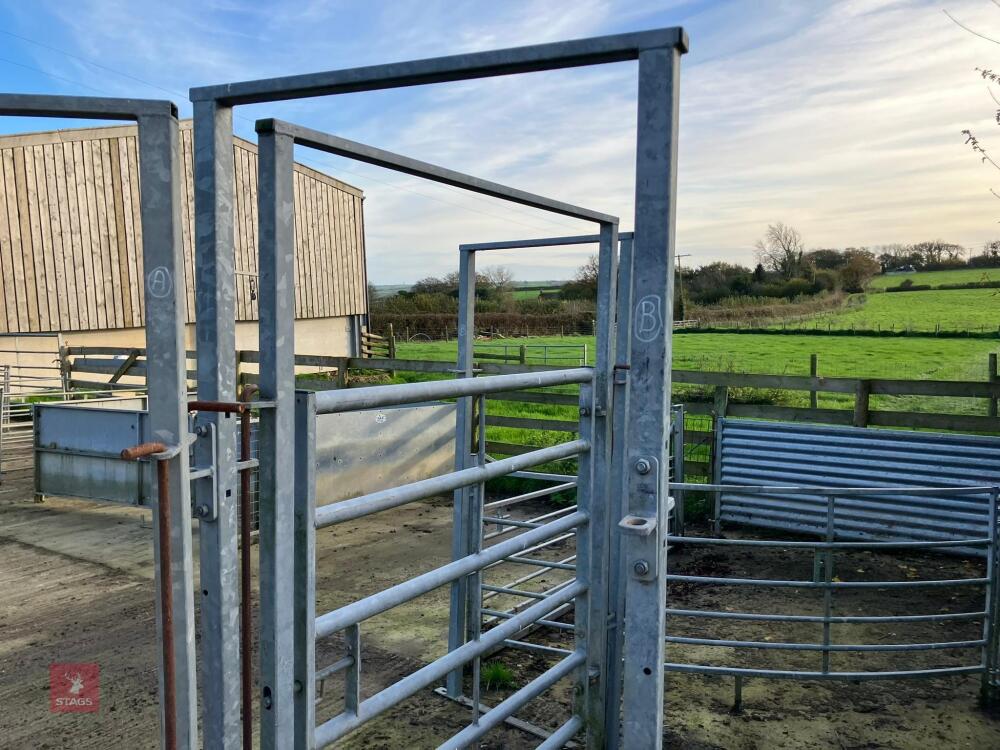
(125, 369)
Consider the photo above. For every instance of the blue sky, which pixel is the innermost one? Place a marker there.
(840, 118)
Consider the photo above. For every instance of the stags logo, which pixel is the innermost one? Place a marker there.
(74, 688)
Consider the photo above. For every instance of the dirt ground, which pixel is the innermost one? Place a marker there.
(76, 586)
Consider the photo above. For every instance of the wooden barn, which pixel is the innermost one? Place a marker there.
(71, 245)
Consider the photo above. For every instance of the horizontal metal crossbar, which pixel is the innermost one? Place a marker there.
(830, 584)
(558, 739)
(463, 67)
(501, 614)
(756, 489)
(782, 544)
(545, 491)
(372, 397)
(378, 157)
(90, 107)
(335, 728)
(514, 703)
(581, 239)
(393, 497)
(786, 646)
(833, 619)
(386, 599)
(793, 675)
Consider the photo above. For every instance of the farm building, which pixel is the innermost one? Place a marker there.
(71, 244)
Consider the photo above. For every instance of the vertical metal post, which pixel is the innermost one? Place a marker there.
(163, 259)
(828, 579)
(813, 372)
(216, 344)
(588, 633)
(677, 436)
(476, 582)
(993, 377)
(304, 666)
(616, 587)
(716, 469)
(352, 676)
(649, 394)
(461, 526)
(276, 436)
(598, 534)
(990, 686)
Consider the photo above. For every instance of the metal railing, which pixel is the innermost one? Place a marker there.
(537, 534)
(830, 586)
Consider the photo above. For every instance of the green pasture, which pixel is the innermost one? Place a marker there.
(947, 310)
(936, 278)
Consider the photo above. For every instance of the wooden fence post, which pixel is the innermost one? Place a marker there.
(523, 354)
(813, 372)
(342, 372)
(862, 399)
(993, 378)
(65, 369)
(721, 401)
(392, 348)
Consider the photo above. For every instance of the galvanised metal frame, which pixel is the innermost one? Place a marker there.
(277, 140)
(160, 174)
(658, 53)
(468, 526)
(828, 583)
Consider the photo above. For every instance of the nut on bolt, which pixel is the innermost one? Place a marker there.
(201, 511)
(643, 466)
(640, 568)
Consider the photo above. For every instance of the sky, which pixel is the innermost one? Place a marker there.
(842, 119)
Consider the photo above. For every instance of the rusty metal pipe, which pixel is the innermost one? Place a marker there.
(246, 618)
(222, 407)
(145, 450)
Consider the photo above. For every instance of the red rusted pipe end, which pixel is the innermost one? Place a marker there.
(222, 407)
(142, 450)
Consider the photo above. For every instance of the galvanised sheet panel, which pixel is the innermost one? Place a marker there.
(780, 453)
(77, 453)
(365, 451)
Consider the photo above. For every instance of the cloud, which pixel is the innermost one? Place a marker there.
(842, 119)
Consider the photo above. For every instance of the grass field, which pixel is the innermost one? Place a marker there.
(952, 310)
(935, 278)
(843, 356)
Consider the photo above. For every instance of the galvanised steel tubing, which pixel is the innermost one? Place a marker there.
(584, 239)
(304, 566)
(616, 587)
(358, 399)
(525, 646)
(785, 646)
(847, 676)
(504, 615)
(393, 596)
(552, 56)
(648, 395)
(544, 563)
(543, 545)
(558, 739)
(337, 727)
(164, 300)
(990, 684)
(514, 703)
(529, 576)
(777, 543)
(835, 619)
(543, 476)
(531, 523)
(378, 157)
(375, 502)
(525, 594)
(508, 501)
(753, 489)
(338, 666)
(459, 615)
(215, 316)
(832, 584)
(276, 439)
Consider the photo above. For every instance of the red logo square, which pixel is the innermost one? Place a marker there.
(74, 688)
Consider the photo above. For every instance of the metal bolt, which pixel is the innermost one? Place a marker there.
(584, 411)
(267, 702)
(641, 568)
(297, 686)
(201, 511)
(643, 466)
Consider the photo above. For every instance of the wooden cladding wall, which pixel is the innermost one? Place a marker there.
(71, 239)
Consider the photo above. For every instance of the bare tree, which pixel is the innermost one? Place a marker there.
(499, 278)
(781, 250)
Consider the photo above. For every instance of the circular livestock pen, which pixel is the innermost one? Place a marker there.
(828, 609)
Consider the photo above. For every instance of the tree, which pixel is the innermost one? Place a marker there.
(781, 250)
(584, 284)
(859, 269)
(499, 278)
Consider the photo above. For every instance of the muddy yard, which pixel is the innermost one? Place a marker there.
(76, 586)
